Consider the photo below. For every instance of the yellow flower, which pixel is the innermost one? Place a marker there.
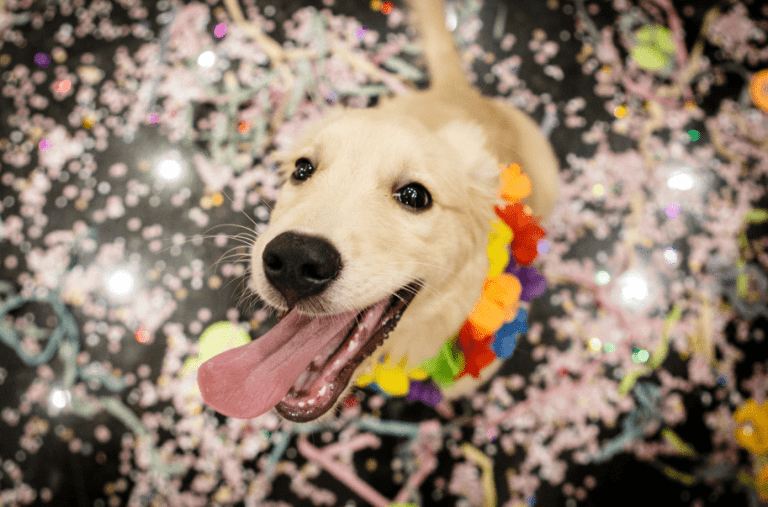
(501, 233)
(498, 253)
(392, 378)
(498, 257)
(365, 379)
(752, 426)
(418, 374)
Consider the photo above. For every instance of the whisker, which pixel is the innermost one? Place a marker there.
(244, 256)
(243, 212)
(241, 237)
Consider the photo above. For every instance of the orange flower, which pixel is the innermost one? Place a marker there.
(514, 184)
(497, 304)
(752, 426)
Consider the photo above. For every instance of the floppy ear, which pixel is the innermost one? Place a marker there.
(475, 161)
(481, 172)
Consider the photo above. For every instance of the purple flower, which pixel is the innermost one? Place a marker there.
(425, 392)
(533, 283)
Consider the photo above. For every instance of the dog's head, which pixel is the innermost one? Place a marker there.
(379, 219)
(382, 201)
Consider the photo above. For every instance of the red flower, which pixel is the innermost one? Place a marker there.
(526, 230)
(477, 353)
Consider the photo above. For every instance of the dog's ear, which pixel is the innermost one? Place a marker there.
(473, 159)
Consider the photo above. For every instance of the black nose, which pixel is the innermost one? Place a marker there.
(300, 266)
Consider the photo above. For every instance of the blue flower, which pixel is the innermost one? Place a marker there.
(506, 336)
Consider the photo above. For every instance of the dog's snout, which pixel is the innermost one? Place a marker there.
(300, 266)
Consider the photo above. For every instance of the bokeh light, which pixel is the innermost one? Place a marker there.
(60, 398)
(680, 181)
(120, 282)
(206, 59)
(142, 335)
(62, 86)
(169, 167)
(603, 277)
(671, 256)
(672, 210)
(598, 190)
(42, 60)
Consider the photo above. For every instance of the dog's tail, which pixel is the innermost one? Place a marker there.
(443, 61)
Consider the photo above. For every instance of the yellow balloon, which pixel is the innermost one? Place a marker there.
(220, 337)
(190, 365)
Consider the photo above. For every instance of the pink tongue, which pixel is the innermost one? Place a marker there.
(247, 381)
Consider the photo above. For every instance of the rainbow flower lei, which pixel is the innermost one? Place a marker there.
(490, 331)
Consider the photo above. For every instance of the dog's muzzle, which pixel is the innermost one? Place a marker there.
(299, 266)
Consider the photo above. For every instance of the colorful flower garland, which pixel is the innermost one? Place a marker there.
(490, 330)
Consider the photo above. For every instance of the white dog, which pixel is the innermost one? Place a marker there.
(377, 245)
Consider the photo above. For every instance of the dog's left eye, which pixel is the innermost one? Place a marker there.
(304, 169)
(414, 195)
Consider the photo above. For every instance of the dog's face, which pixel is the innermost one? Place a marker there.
(380, 228)
(393, 199)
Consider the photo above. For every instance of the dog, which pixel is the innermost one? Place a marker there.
(376, 246)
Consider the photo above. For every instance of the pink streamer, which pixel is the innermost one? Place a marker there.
(343, 473)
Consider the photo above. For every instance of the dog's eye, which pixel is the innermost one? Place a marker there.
(414, 195)
(304, 169)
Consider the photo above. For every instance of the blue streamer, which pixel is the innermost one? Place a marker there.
(648, 411)
(67, 329)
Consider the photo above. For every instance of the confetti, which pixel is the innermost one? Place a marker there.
(112, 378)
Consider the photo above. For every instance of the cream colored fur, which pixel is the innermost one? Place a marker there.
(451, 140)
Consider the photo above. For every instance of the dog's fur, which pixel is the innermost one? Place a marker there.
(450, 139)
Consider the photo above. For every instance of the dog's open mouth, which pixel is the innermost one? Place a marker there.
(302, 365)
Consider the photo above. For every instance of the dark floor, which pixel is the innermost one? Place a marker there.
(112, 268)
